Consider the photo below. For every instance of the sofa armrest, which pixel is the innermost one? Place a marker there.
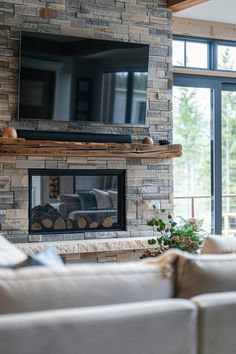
(217, 322)
(164, 326)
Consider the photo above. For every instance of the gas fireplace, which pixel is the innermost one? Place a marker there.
(76, 200)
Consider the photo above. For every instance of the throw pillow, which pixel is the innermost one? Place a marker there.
(103, 199)
(219, 244)
(113, 196)
(200, 274)
(9, 253)
(87, 200)
(47, 257)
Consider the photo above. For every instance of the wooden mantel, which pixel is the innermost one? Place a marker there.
(20, 146)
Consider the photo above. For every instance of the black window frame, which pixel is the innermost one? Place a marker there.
(212, 51)
(217, 84)
(129, 92)
(225, 43)
(189, 39)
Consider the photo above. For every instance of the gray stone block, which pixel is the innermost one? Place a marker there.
(17, 238)
(108, 3)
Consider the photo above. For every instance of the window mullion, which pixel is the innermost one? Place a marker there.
(129, 97)
(217, 162)
(214, 56)
(185, 53)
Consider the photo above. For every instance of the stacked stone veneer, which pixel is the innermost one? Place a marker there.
(148, 181)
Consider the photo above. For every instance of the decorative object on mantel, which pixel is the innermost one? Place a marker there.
(186, 235)
(9, 132)
(164, 142)
(147, 140)
(20, 146)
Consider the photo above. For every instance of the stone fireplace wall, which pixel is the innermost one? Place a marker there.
(148, 181)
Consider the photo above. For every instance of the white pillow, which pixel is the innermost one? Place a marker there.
(10, 254)
(103, 199)
(113, 196)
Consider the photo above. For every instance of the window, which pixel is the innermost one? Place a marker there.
(192, 120)
(226, 57)
(204, 113)
(178, 53)
(197, 55)
(204, 54)
(190, 54)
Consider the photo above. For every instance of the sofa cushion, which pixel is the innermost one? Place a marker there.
(216, 318)
(200, 274)
(103, 199)
(10, 254)
(63, 210)
(40, 288)
(68, 203)
(87, 200)
(166, 326)
(219, 244)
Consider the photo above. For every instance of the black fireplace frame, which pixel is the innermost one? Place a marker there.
(121, 200)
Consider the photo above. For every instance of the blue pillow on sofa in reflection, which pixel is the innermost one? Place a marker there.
(47, 257)
(12, 257)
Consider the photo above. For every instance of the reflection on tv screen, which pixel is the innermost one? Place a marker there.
(81, 79)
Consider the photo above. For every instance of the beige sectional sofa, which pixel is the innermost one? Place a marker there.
(175, 304)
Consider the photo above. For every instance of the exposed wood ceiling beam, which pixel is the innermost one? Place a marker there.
(178, 5)
(205, 29)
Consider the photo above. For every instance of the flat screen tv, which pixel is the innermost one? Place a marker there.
(66, 78)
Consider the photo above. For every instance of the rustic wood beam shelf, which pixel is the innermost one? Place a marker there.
(20, 146)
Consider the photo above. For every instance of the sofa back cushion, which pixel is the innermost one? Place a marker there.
(219, 244)
(38, 288)
(200, 274)
(68, 203)
(87, 200)
(205, 274)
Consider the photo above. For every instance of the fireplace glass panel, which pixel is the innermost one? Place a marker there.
(76, 200)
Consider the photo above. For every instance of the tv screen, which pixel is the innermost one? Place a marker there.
(80, 79)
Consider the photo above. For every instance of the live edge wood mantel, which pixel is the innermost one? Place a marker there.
(20, 146)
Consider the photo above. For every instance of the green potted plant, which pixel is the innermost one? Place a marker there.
(184, 234)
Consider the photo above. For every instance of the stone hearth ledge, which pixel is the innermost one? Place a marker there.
(87, 246)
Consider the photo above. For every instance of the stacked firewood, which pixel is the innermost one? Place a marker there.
(47, 217)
